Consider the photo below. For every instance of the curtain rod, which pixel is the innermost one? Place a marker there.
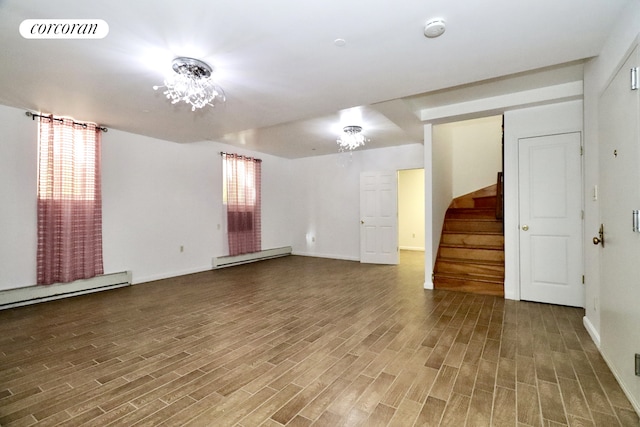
(34, 115)
(222, 153)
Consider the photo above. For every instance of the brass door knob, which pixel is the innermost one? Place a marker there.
(600, 239)
(525, 228)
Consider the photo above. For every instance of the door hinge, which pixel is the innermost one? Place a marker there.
(582, 213)
(581, 150)
(583, 279)
(634, 78)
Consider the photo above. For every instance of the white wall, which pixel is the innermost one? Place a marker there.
(528, 122)
(157, 196)
(326, 198)
(477, 153)
(429, 254)
(441, 184)
(411, 209)
(18, 208)
(160, 195)
(598, 72)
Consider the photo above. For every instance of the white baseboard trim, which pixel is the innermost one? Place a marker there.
(156, 277)
(412, 248)
(315, 255)
(595, 335)
(625, 389)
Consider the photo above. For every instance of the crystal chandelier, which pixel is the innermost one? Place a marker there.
(192, 84)
(351, 138)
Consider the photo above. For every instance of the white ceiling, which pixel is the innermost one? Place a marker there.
(287, 83)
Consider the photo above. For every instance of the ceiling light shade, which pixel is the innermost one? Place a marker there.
(351, 138)
(192, 84)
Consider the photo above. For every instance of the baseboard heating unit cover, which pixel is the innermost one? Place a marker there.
(228, 261)
(35, 294)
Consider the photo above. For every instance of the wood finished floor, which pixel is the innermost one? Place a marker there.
(301, 341)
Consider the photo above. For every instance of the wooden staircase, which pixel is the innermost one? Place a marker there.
(471, 253)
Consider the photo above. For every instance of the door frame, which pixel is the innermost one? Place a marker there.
(381, 222)
(548, 119)
(579, 256)
(398, 209)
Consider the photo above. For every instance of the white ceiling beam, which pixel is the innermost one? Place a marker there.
(500, 103)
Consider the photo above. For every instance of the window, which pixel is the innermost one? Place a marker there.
(68, 160)
(69, 201)
(241, 195)
(242, 180)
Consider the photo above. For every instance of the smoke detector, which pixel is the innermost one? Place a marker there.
(434, 28)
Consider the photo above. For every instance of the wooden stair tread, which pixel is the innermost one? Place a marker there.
(471, 277)
(470, 238)
(494, 233)
(476, 287)
(471, 210)
(481, 247)
(470, 261)
(470, 268)
(473, 220)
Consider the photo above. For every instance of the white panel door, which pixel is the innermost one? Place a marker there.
(379, 217)
(619, 195)
(550, 180)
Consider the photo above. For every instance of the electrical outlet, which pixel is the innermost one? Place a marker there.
(637, 364)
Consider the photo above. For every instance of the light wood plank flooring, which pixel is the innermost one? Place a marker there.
(302, 341)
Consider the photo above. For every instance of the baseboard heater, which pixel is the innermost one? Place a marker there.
(228, 261)
(41, 293)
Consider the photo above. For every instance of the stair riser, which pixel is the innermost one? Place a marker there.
(475, 287)
(472, 254)
(471, 226)
(496, 271)
(471, 214)
(485, 202)
(464, 239)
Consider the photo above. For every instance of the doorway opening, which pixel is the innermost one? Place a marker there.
(411, 206)
(467, 232)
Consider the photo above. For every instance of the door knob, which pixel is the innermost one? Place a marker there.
(361, 221)
(600, 239)
(525, 227)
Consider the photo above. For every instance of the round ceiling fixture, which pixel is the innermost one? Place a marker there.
(434, 28)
